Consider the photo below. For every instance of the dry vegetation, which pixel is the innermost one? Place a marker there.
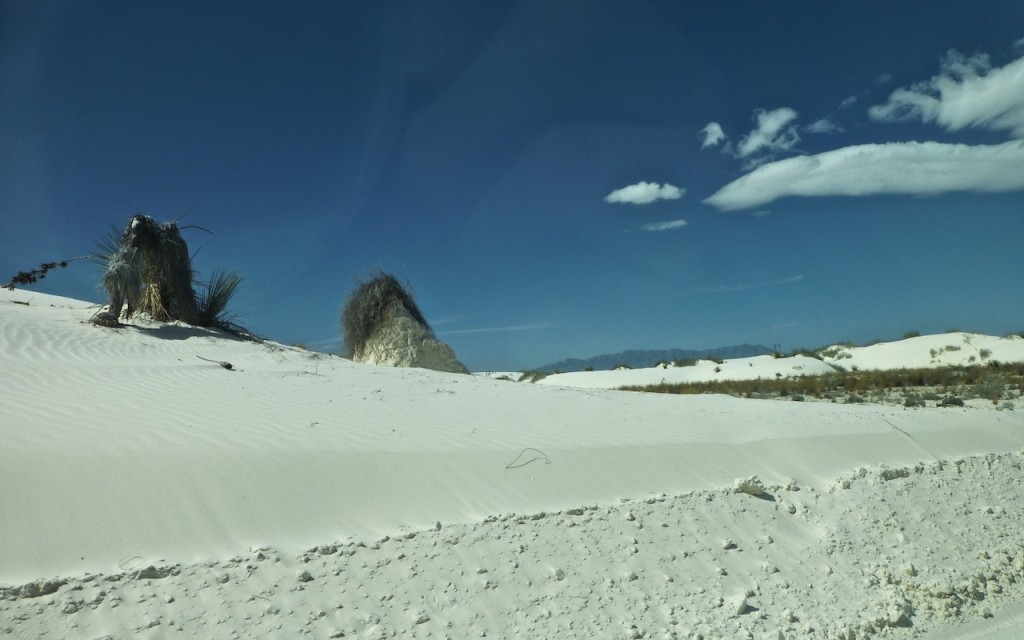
(912, 387)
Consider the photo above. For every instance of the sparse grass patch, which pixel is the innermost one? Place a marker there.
(837, 352)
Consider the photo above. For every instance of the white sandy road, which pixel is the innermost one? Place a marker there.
(133, 448)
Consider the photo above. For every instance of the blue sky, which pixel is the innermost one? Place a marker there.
(553, 179)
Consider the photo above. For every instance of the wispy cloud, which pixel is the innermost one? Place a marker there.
(503, 329)
(774, 132)
(968, 92)
(848, 102)
(823, 125)
(744, 287)
(712, 134)
(912, 168)
(644, 193)
(668, 225)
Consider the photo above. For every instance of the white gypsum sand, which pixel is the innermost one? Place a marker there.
(921, 352)
(149, 491)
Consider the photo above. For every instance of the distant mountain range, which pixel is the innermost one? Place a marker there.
(638, 359)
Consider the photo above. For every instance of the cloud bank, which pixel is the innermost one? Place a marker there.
(644, 193)
(910, 168)
(968, 92)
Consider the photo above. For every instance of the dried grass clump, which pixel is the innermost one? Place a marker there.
(366, 308)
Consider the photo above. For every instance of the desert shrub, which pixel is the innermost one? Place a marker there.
(952, 347)
(685, 362)
(621, 366)
(991, 386)
(532, 376)
(911, 334)
(913, 400)
(985, 354)
(366, 309)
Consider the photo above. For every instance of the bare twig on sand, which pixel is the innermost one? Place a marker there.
(524, 458)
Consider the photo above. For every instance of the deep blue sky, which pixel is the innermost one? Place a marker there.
(475, 149)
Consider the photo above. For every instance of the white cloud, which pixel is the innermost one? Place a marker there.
(885, 78)
(848, 102)
(773, 133)
(645, 193)
(968, 92)
(824, 125)
(713, 135)
(665, 226)
(912, 168)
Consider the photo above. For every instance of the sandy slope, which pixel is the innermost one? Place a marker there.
(147, 490)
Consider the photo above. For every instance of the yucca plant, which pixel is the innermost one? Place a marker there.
(213, 299)
(147, 267)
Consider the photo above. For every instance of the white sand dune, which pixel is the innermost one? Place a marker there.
(147, 490)
(956, 348)
(921, 352)
(766, 367)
